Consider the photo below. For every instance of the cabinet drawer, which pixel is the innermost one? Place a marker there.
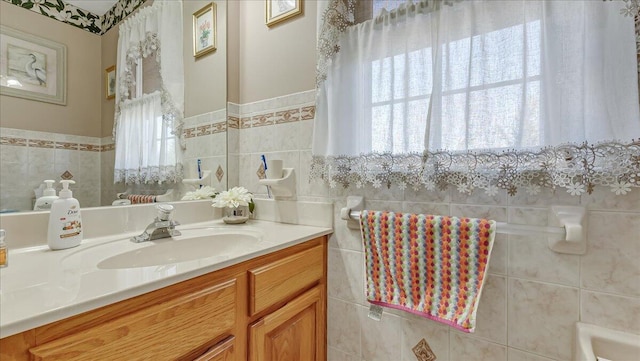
(280, 280)
(163, 331)
(224, 351)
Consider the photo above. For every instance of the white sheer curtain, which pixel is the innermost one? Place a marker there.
(482, 94)
(145, 152)
(150, 156)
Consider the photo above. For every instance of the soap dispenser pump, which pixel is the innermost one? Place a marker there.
(65, 225)
(48, 196)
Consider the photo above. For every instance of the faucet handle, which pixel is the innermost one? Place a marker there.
(164, 211)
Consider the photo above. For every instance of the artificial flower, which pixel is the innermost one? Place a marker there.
(201, 193)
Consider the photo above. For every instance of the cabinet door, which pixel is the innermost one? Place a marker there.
(221, 352)
(294, 332)
(162, 332)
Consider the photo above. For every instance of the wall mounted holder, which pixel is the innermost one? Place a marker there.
(282, 188)
(573, 220)
(569, 237)
(197, 182)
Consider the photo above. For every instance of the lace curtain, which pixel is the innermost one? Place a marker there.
(514, 95)
(145, 152)
(155, 31)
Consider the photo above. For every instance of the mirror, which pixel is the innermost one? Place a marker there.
(49, 141)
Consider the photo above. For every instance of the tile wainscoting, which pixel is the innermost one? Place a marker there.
(30, 157)
(533, 296)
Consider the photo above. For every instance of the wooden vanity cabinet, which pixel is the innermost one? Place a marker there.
(269, 308)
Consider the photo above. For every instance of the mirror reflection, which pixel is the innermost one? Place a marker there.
(42, 141)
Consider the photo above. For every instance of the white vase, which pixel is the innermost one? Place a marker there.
(236, 215)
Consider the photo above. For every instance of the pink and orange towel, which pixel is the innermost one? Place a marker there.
(141, 198)
(432, 266)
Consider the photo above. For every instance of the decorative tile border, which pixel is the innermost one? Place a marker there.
(79, 18)
(279, 117)
(52, 144)
(205, 129)
(233, 122)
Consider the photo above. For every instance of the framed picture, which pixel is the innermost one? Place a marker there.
(110, 82)
(204, 30)
(32, 67)
(280, 10)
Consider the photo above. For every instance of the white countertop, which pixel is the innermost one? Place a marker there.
(41, 286)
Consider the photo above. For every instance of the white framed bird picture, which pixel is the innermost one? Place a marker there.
(32, 67)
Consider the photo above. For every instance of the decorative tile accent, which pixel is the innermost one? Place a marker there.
(308, 112)
(233, 122)
(423, 351)
(261, 174)
(219, 173)
(262, 120)
(21, 142)
(245, 122)
(108, 147)
(65, 145)
(219, 127)
(203, 130)
(286, 116)
(37, 143)
(189, 132)
(89, 147)
(66, 175)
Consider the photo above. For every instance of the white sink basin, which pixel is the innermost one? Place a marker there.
(176, 250)
(599, 343)
(193, 244)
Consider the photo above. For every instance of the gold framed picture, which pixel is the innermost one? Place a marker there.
(280, 10)
(110, 82)
(204, 30)
(32, 67)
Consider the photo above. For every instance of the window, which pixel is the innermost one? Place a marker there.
(150, 97)
(478, 94)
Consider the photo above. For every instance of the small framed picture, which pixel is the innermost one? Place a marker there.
(32, 67)
(280, 10)
(204, 30)
(110, 82)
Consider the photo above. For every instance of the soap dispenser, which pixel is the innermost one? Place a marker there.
(48, 196)
(65, 226)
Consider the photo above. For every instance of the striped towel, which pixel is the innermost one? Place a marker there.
(432, 266)
(141, 198)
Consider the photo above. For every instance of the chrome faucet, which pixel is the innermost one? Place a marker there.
(161, 227)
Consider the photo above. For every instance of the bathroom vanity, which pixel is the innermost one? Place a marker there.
(263, 301)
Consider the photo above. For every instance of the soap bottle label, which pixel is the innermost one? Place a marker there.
(70, 228)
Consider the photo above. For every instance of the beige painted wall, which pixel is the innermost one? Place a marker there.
(233, 51)
(278, 60)
(109, 54)
(205, 77)
(81, 115)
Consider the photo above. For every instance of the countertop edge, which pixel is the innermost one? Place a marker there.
(82, 307)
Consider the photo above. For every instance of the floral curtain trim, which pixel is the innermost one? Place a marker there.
(577, 168)
(72, 15)
(151, 175)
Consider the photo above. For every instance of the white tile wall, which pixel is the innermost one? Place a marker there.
(29, 157)
(533, 296)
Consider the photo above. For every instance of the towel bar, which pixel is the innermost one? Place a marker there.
(570, 238)
(508, 228)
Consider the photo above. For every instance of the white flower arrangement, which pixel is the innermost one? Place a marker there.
(234, 197)
(205, 192)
